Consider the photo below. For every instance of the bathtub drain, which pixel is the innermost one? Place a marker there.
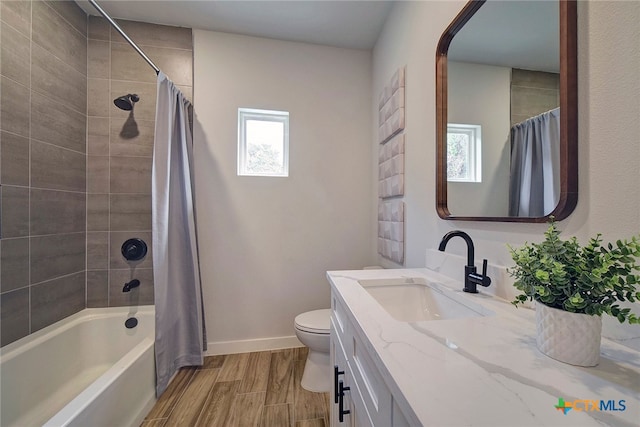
(131, 322)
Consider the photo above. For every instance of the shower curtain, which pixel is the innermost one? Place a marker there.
(180, 329)
(534, 186)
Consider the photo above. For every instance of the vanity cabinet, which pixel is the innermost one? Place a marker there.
(359, 396)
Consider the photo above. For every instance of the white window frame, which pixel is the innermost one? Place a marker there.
(474, 156)
(245, 114)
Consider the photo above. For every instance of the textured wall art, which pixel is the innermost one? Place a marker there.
(391, 230)
(391, 167)
(391, 107)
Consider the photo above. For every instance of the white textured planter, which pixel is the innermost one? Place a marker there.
(572, 338)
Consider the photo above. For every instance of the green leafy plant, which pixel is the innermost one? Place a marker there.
(592, 279)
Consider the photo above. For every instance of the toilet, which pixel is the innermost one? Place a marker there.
(312, 329)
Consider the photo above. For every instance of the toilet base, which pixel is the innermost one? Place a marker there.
(317, 374)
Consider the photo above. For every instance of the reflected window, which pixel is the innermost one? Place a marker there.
(464, 148)
(263, 142)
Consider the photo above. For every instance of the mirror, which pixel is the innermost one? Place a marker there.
(506, 73)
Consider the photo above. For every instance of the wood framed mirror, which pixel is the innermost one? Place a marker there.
(490, 101)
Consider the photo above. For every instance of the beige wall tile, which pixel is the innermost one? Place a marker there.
(154, 35)
(15, 211)
(55, 211)
(57, 255)
(72, 13)
(97, 250)
(15, 160)
(14, 55)
(57, 168)
(97, 288)
(130, 212)
(99, 59)
(127, 64)
(54, 78)
(14, 260)
(14, 315)
(122, 142)
(537, 79)
(14, 106)
(98, 136)
(100, 102)
(54, 300)
(98, 174)
(57, 36)
(130, 175)
(532, 101)
(54, 122)
(97, 212)
(99, 28)
(18, 15)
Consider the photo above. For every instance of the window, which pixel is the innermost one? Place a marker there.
(464, 162)
(263, 142)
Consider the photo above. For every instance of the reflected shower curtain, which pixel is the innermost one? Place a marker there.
(534, 185)
(180, 331)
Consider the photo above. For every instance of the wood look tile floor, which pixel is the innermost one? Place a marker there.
(249, 389)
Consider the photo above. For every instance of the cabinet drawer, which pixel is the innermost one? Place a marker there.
(375, 394)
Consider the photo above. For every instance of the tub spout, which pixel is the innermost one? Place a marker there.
(130, 285)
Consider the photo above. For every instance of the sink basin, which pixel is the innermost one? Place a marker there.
(414, 299)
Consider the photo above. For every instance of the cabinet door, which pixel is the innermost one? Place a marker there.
(339, 364)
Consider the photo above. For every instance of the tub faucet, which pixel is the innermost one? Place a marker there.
(130, 285)
(471, 277)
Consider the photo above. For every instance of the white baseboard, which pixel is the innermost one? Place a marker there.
(245, 346)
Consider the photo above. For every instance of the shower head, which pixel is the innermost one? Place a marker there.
(126, 102)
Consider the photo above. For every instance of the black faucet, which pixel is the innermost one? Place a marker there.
(471, 277)
(130, 285)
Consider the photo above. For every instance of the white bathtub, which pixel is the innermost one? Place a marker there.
(86, 370)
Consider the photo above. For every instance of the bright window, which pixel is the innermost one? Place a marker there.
(263, 142)
(464, 148)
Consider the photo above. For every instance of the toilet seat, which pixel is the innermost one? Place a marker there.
(315, 322)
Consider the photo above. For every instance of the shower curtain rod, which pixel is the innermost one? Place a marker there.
(123, 34)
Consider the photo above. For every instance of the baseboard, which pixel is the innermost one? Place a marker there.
(245, 346)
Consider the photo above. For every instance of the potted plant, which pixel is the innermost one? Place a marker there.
(573, 286)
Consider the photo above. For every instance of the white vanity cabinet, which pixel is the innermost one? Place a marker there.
(359, 396)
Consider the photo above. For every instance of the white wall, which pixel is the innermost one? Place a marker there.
(481, 95)
(266, 243)
(609, 153)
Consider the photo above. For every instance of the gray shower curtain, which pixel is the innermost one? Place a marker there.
(534, 185)
(180, 330)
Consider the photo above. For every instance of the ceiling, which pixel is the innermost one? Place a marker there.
(519, 34)
(349, 24)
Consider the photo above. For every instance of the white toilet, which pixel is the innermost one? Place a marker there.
(312, 329)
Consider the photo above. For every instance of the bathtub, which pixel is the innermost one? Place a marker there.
(85, 370)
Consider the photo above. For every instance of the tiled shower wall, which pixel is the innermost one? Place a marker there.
(120, 149)
(43, 164)
(75, 175)
(533, 93)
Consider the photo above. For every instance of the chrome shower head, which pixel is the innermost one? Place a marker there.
(126, 102)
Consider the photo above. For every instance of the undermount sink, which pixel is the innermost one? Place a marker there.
(414, 299)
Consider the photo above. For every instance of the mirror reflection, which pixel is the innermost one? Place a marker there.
(503, 97)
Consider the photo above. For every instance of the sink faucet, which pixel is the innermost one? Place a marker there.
(471, 277)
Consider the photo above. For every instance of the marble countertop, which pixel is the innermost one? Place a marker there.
(484, 371)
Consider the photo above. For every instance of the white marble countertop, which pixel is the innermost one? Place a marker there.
(484, 371)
